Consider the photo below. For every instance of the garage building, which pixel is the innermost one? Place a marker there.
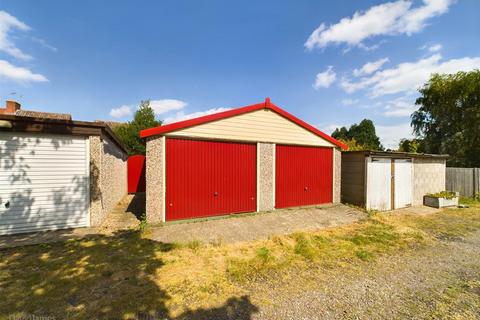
(56, 173)
(254, 158)
(378, 180)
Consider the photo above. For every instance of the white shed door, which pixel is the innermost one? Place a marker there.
(44, 182)
(379, 174)
(403, 183)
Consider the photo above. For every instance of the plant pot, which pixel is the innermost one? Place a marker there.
(436, 202)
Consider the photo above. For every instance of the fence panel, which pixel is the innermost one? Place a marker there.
(464, 180)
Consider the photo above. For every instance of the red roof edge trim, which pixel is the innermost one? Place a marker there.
(305, 125)
(230, 113)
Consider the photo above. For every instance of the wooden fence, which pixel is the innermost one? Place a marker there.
(464, 180)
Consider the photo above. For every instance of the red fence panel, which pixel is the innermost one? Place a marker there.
(136, 173)
(207, 178)
(303, 176)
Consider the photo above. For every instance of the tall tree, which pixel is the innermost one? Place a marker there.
(363, 136)
(448, 119)
(129, 132)
(411, 145)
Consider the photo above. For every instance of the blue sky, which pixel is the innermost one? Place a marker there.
(329, 63)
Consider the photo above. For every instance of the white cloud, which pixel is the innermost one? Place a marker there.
(390, 136)
(325, 79)
(7, 24)
(11, 72)
(409, 76)
(166, 105)
(435, 48)
(121, 112)
(400, 107)
(349, 102)
(391, 18)
(44, 44)
(370, 67)
(179, 116)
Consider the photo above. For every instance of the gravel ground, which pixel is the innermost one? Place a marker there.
(257, 226)
(409, 286)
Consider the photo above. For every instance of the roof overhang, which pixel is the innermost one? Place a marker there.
(397, 154)
(58, 126)
(161, 130)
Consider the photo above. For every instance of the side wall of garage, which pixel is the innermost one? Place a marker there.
(428, 177)
(108, 177)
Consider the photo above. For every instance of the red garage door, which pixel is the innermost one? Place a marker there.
(303, 176)
(136, 173)
(205, 178)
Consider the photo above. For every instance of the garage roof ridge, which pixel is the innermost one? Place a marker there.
(267, 104)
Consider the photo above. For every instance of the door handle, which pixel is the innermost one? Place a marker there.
(305, 188)
(215, 194)
(7, 204)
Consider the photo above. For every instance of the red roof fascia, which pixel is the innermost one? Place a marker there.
(230, 113)
(305, 125)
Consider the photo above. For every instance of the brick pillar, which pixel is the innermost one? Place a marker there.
(337, 175)
(265, 176)
(155, 179)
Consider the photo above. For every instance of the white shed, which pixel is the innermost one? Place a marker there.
(382, 181)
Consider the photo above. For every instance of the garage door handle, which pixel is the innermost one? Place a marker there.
(215, 194)
(7, 204)
(306, 188)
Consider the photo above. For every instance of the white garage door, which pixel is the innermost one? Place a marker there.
(44, 182)
(403, 183)
(379, 176)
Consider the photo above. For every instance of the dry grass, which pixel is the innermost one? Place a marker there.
(127, 276)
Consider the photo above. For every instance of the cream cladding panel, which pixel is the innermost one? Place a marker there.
(261, 125)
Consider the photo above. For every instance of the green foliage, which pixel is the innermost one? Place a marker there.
(363, 255)
(470, 201)
(362, 136)
(304, 246)
(448, 120)
(143, 223)
(129, 133)
(443, 194)
(413, 145)
(353, 144)
(264, 254)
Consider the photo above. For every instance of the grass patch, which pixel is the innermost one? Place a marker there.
(470, 201)
(126, 275)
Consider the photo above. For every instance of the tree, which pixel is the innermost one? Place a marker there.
(363, 136)
(413, 145)
(448, 120)
(353, 145)
(129, 133)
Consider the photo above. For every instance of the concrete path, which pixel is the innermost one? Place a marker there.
(125, 215)
(257, 226)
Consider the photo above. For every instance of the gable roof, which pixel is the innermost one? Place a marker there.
(160, 130)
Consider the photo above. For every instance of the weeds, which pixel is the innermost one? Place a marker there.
(194, 245)
(304, 246)
(264, 254)
(143, 223)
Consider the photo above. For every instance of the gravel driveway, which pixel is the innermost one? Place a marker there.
(257, 226)
(418, 285)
